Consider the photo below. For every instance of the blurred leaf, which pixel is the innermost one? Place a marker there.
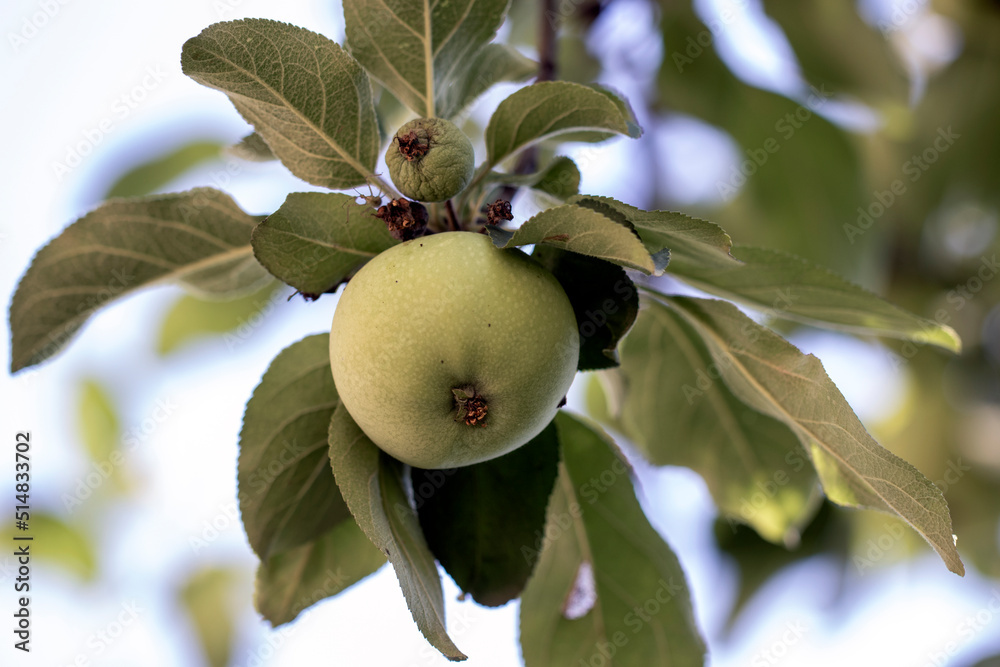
(328, 139)
(690, 241)
(287, 494)
(582, 231)
(771, 376)
(493, 64)
(191, 318)
(677, 412)
(252, 148)
(606, 580)
(372, 485)
(576, 63)
(60, 543)
(817, 32)
(199, 238)
(291, 581)
(97, 420)
(604, 300)
(316, 239)
(207, 597)
(547, 109)
(786, 286)
(418, 49)
(152, 175)
(477, 519)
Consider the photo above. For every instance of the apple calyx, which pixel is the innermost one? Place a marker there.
(472, 407)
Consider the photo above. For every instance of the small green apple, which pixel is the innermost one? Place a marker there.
(430, 159)
(447, 351)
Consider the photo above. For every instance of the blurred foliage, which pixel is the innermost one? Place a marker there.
(209, 596)
(97, 420)
(60, 543)
(190, 319)
(154, 174)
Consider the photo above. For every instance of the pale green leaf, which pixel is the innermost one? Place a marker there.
(771, 376)
(786, 286)
(289, 582)
(200, 238)
(583, 231)
(150, 176)
(306, 97)
(677, 412)
(57, 542)
(209, 598)
(373, 487)
(97, 420)
(316, 240)
(692, 242)
(417, 48)
(491, 65)
(548, 109)
(190, 319)
(599, 545)
(252, 148)
(287, 494)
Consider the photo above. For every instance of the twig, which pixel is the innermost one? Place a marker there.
(452, 218)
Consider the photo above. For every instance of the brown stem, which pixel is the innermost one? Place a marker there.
(449, 208)
(547, 41)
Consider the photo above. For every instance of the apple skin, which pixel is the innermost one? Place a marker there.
(440, 313)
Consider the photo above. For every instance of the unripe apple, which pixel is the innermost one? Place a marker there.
(430, 159)
(447, 351)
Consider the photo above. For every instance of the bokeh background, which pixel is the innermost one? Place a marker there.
(139, 554)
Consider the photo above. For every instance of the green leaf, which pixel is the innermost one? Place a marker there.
(417, 48)
(770, 375)
(604, 300)
(191, 318)
(287, 494)
(305, 96)
(548, 109)
(677, 412)
(252, 148)
(786, 286)
(372, 485)
(491, 65)
(599, 544)
(583, 231)
(200, 238)
(692, 242)
(560, 178)
(289, 582)
(58, 543)
(207, 597)
(316, 240)
(97, 419)
(477, 518)
(152, 175)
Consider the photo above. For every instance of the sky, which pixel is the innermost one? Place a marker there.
(91, 88)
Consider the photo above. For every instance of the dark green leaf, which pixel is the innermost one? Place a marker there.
(287, 493)
(771, 376)
(604, 299)
(305, 96)
(150, 176)
(289, 582)
(200, 238)
(691, 241)
(477, 518)
(677, 412)
(372, 485)
(316, 240)
(786, 286)
(560, 178)
(191, 318)
(418, 48)
(583, 231)
(548, 109)
(600, 544)
(252, 148)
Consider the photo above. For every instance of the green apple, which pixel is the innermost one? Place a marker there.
(447, 351)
